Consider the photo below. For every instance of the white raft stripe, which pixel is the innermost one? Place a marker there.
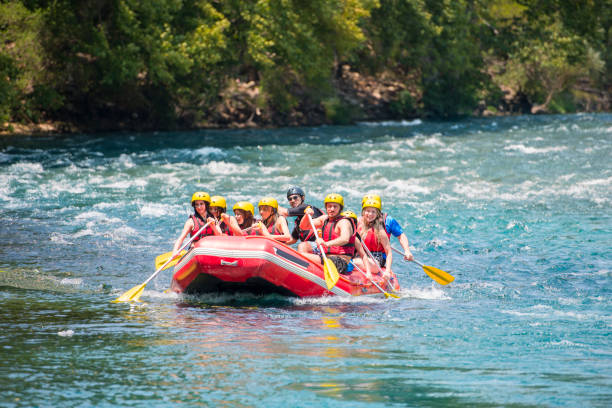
(264, 255)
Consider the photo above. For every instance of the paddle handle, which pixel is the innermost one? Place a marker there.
(176, 253)
(398, 251)
(413, 260)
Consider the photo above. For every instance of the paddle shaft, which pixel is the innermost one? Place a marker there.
(413, 260)
(316, 236)
(367, 251)
(438, 275)
(161, 268)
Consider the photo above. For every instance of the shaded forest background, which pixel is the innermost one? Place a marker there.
(89, 65)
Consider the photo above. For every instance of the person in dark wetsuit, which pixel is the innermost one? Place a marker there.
(295, 196)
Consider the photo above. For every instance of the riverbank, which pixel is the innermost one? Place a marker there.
(357, 97)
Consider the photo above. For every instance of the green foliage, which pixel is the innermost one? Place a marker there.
(21, 66)
(296, 45)
(397, 35)
(137, 59)
(338, 112)
(404, 105)
(166, 63)
(454, 73)
(547, 57)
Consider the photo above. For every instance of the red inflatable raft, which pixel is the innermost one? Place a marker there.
(262, 265)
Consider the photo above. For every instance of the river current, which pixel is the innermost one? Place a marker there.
(518, 209)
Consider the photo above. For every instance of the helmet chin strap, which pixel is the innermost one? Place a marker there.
(266, 220)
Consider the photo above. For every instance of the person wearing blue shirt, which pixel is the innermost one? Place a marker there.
(393, 228)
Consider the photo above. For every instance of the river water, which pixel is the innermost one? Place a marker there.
(517, 209)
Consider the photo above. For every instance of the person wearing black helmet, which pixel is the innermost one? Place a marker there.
(295, 196)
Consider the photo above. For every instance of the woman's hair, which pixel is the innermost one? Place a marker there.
(221, 211)
(248, 218)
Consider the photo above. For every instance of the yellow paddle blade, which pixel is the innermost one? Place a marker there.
(163, 258)
(438, 275)
(388, 295)
(132, 295)
(331, 273)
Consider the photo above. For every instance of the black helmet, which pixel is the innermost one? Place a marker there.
(295, 190)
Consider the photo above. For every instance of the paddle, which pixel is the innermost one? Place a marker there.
(387, 294)
(135, 293)
(443, 278)
(367, 251)
(163, 258)
(329, 269)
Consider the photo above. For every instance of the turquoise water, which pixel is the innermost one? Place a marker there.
(517, 209)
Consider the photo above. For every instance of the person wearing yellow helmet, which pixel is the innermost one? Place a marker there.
(371, 228)
(337, 235)
(200, 217)
(295, 197)
(272, 224)
(359, 252)
(245, 218)
(392, 227)
(218, 208)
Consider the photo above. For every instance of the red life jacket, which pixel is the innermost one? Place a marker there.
(328, 232)
(198, 223)
(271, 229)
(225, 229)
(371, 242)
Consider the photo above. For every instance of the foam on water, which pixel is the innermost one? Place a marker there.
(431, 293)
(391, 123)
(66, 333)
(521, 148)
(208, 151)
(157, 210)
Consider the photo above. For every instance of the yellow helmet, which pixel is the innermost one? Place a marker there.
(349, 214)
(371, 196)
(370, 202)
(200, 196)
(268, 201)
(245, 206)
(218, 201)
(334, 198)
